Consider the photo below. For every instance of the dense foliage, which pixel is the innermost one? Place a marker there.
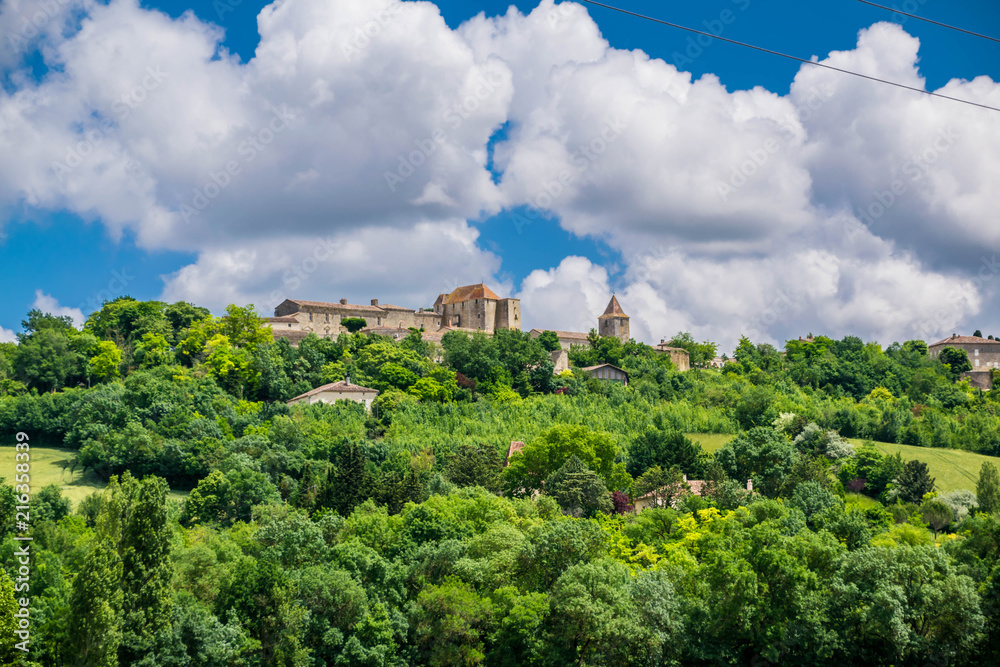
(331, 535)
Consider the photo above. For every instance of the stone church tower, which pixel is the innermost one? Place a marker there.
(614, 321)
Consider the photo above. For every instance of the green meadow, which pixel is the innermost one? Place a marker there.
(54, 465)
(951, 468)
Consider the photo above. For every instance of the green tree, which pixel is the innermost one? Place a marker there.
(699, 354)
(664, 487)
(914, 481)
(756, 408)
(526, 471)
(106, 361)
(936, 514)
(153, 350)
(476, 465)
(657, 447)
(45, 360)
(261, 595)
(95, 631)
(450, 622)
(593, 620)
(354, 324)
(49, 504)
(8, 622)
(957, 361)
(762, 454)
(549, 340)
(988, 488)
(578, 489)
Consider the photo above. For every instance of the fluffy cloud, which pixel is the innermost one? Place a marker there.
(348, 115)
(48, 304)
(568, 297)
(7, 336)
(849, 206)
(408, 267)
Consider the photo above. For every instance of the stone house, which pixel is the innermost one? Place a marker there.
(696, 486)
(983, 353)
(678, 355)
(567, 339)
(337, 391)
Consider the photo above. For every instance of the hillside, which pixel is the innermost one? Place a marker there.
(952, 469)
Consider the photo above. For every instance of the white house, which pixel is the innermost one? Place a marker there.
(338, 391)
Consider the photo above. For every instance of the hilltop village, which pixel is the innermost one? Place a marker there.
(469, 308)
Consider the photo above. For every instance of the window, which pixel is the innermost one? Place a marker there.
(977, 363)
(328, 317)
(310, 317)
(977, 353)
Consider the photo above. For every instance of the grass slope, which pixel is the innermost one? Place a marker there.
(952, 469)
(53, 465)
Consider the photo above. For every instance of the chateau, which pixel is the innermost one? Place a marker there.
(468, 308)
(472, 307)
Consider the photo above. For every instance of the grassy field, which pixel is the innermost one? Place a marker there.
(51, 465)
(952, 469)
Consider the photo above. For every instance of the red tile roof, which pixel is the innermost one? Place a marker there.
(335, 306)
(515, 447)
(467, 292)
(614, 309)
(341, 386)
(967, 340)
(283, 318)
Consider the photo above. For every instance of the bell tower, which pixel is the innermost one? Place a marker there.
(614, 321)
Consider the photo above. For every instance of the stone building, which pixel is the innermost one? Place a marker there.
(567, 339)
(478, 307)
(472, 307)
(338, 391)
(983, 353)
(614, 322)
(678, 355)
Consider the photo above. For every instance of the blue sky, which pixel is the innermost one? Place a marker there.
(68, 247)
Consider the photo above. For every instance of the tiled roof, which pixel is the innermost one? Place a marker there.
(467, 292)
(614, 309)
(967, 340)
(335, 306)
(594, 368)
(341, 386)
(515, 447)
(283, 318)
(389, 306)
(666, 348)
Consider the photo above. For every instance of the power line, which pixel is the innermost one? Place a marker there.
(785, 55)
(921, 18)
